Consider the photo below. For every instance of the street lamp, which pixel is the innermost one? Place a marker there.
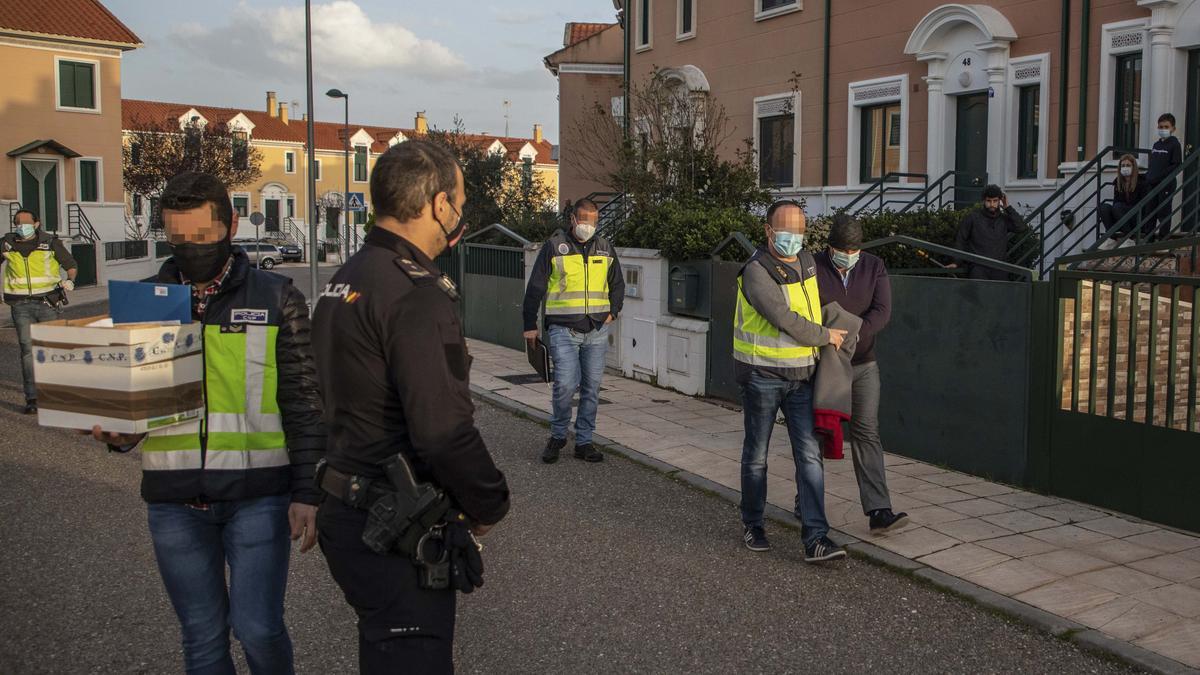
(338, 93)
(312, 162)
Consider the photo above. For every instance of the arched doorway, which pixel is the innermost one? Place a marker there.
(966, 50)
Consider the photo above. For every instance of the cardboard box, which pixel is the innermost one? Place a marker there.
(129, 378)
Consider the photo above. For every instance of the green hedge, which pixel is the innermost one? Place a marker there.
(686, 231)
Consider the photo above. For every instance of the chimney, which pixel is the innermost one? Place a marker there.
(422, 125)
(283, 113)
(537, 134)
(271, 106)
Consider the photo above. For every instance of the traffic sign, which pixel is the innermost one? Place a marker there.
(257, 218)
(357, 202)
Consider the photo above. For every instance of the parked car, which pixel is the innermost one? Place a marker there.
(291, 253)
(265, 256)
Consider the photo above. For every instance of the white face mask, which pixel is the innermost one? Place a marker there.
(1164, 133)
(26, 230)
(584, 231)
(1127, 171)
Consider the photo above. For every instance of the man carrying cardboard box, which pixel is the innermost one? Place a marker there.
(230, 488)
(33, 262)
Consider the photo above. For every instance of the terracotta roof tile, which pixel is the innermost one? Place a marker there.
(86, 19)
(328, 135)
(577, 32)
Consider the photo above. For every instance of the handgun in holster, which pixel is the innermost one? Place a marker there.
(398, 520)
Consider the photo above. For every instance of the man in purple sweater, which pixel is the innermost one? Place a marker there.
(859, 283)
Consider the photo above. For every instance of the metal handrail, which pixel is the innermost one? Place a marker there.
(939, 185)
(78, 224)
(1091, 172)
(502, 230)
(1025, 272)
(1137, 215)
(885, 182)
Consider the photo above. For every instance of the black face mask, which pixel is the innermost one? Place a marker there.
(199, 263)
(453, 235)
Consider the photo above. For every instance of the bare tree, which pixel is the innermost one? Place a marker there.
(157, 151)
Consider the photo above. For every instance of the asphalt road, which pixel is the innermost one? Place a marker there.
(599, 568)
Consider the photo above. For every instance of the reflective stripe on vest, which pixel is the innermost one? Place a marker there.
(245, 429)
(759, 343)
(35, 275)
(578, 285)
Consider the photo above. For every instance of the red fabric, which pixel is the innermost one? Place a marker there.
(828, 427)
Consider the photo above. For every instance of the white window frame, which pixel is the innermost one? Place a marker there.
(353, 162)
(320, 173)
(98, 110)
(249, 203)
(796, 119)
(99, 179)
(292, 155)
(680, 36)
(894, 90)
(638, 19)
(762, 15)
(1108, 81)
(1013, 126)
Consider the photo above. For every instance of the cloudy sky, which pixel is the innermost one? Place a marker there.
(463, 57)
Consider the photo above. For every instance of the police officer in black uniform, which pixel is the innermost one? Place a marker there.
(394, 366)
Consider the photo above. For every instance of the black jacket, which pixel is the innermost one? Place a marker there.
(984, 234)
(1123, 198)
(539, 279)
(298, 394)
(395, 373)
(1166, 154)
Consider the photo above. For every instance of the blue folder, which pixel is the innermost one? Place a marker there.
(139, 302)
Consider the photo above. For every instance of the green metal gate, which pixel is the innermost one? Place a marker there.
(721, 382)
(493, 286)
(1124, 427)
(85, 257)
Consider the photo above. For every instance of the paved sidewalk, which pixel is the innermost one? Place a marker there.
(1133, 581)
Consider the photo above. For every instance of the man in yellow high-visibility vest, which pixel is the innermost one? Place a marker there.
(33, 264)
(579, 277)
(777, 332)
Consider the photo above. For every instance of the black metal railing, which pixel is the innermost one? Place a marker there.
(1129, 338)
(162, 248)
(13, 207)
(78, 225)
(1069, 219)
(130, 249)
(940, 194)
(615, 209)
(926, 247)
(881, 193)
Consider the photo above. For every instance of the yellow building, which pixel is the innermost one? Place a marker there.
(60, 108)
(281, 192)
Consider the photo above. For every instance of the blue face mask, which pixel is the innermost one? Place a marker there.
(843, 260)
(26, 230)
(1164, 133)
(788, 244)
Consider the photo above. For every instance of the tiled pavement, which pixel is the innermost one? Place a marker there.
(1131, 580)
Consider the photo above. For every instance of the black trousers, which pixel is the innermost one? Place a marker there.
(402, 628)
(987, 273)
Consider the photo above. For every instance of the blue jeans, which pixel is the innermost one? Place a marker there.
(578, 365)
(24, 315)
(192, 546)
(762, 397)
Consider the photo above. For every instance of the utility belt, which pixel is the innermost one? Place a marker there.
(414, 519)
(56, 298)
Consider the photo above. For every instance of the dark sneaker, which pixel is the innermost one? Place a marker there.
(755, 539)
(823, 549)
(588, 453)
(553, 446)
(883, 520)
(31, 406)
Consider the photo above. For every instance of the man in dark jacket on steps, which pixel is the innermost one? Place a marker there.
(859, 283)
(984, 231)
(231, 488)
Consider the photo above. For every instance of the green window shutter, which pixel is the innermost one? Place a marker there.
(66, 84)
(360, 163)
(76, 85)
(89, 186)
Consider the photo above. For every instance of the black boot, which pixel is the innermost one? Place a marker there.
(588, 453)
(883, 519)
(31, 406)
(553, 446)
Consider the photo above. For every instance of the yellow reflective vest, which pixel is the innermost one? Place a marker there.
(759, 343)
(578, 284)
(37, 274)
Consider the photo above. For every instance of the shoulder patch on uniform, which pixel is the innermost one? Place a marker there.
(412, 269)
(563, 249)
(248, 316)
